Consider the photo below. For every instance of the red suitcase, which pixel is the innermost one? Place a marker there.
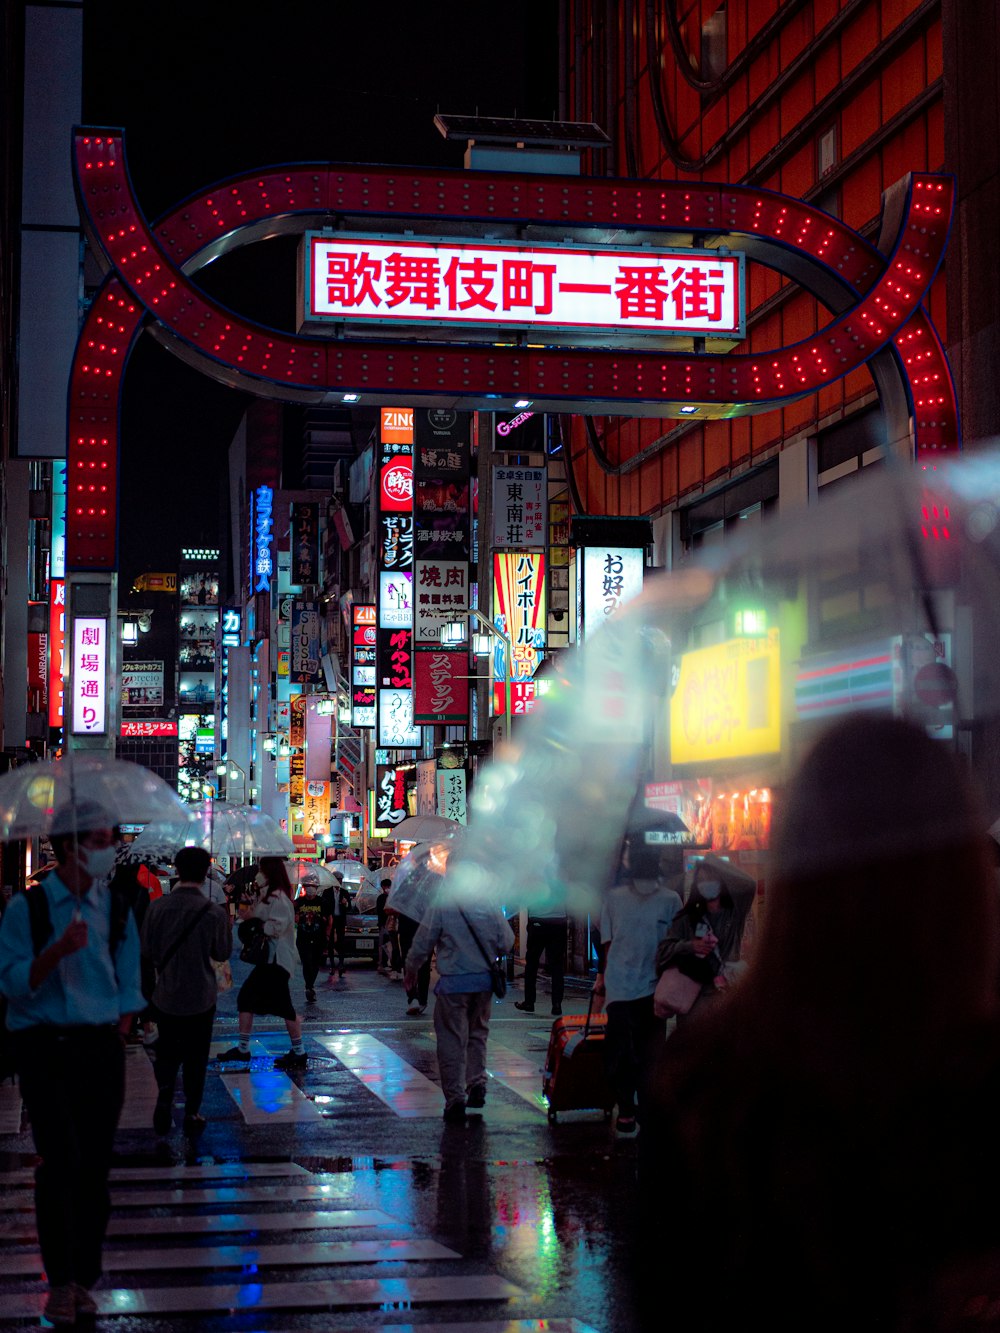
(574, 1078)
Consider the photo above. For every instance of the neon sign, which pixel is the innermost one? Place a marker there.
(90, 671)
(261, 562)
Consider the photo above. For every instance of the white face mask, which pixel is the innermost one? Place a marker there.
(311, 890)
(97, 861)
(709, 889)
(260, 881)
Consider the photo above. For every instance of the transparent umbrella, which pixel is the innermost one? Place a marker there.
(423, 828)
(418, 877)
(221, 828)
(718, 676)
(299, 870)
(34, 798)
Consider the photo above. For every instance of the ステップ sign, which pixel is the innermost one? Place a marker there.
(410, 281)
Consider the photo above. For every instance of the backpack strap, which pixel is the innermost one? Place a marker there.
(39, 918)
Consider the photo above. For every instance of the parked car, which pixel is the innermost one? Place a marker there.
(361, 936)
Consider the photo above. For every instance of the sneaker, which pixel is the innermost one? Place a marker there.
(234, 1053)
(415, 1007)
(477, 1097)
(194, 1124)
(626, 1125)
(85, 1303)
(310, 996)
(291, 1060)
(524, 1006)
(163, 1119)
(342, 973)
(60, 1307)
(395, 976)
(557, 1011)
(455, 1114)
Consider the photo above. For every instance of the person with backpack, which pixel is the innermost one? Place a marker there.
(310, 932)
(69, 967)
(181, 936)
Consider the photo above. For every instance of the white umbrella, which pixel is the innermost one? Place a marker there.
(221, 828)
(424, 828)
(299, 870)
(33, 796)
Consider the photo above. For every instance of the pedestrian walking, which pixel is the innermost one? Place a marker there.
(705, 939)
(384, 958)
(635, 918)
(336, 904)
(310, 932)
(547, 932)
(463, 938)
(69, 967)
(266, 989)
(181, 937)
(823, 1136)
(416, 982)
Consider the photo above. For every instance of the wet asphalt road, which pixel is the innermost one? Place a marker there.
(543, 1207)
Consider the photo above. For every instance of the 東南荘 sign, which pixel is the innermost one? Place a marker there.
(666, 292)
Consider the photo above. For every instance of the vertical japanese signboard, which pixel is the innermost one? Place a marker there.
(363, 665)
(442, 542)
(519, 611)
(90, 675)
(611, 577)
(305, 544)
(57, 650)
(520, 506)
(392, 674)
(304, 667)
(390, 796)
(451, 794)
(261, 525)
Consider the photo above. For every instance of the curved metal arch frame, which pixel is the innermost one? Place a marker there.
(149, 279)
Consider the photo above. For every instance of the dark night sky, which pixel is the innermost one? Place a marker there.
(205, 91)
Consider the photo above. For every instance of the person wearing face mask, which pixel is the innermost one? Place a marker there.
(635, 918)
(310, 932)
(706, 937)
(69, 967)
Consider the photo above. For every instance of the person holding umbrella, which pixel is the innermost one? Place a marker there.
(69, 967)
(706, 937)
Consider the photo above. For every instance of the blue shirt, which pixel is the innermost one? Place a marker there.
(87, 987)
(633, 923)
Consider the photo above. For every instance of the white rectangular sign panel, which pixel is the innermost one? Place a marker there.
(90, 675)
(520, 508)
(395, 720)
(611, 577)
(395, 599)
(408, 281)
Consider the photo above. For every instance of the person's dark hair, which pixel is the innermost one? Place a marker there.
(385, 884)
(192, 864)
(275, 872)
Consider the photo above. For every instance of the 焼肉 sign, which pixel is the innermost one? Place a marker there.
(407, 281)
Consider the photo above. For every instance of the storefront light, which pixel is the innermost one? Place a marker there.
(453, 632)
(481, 644)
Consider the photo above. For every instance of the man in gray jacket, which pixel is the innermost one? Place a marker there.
(181, 936)
(467, 938)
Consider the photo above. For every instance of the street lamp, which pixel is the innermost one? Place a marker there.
(454, 632)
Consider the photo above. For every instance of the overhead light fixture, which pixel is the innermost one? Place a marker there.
(130, 632)
(523, 402)
(481, 644)
(270, 744)
(453, 632)
(689, 409)
(352, 398)
(220, 769)
(285, 750)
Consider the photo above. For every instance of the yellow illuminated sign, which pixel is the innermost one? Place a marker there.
(727, 704)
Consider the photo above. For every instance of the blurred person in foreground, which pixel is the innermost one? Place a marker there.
(467, 937)
(69, 966)
(822, 1152)
(181, 936)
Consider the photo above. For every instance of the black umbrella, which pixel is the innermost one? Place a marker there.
(659, 827)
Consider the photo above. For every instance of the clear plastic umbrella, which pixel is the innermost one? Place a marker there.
(33, 796)
(422, 828)
(418, 877)
(881, 598)
(299, 870)
(221, 828)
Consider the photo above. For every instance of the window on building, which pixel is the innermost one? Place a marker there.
(711, 520)
(713, 45)
(844, 449)
(826, 152)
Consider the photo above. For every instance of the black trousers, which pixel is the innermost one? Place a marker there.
(338, 936)
(311, 954)
(73, 1085)
(630, 1044)
(407, 929)
(184, 1042)
(548, 937)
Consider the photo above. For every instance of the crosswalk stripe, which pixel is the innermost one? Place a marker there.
(518, 1073)
(140, 1090)
(344, 1293)
(179, 1173)
(336, 1191)
(408, 1093)
(23, 1228)
(212, 1258)
(269, 1097)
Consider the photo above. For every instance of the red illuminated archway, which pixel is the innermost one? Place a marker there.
(876, 299)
